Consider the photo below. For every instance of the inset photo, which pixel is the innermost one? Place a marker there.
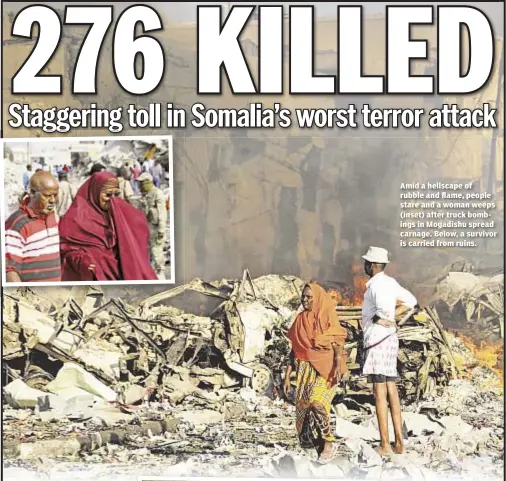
(90, 210)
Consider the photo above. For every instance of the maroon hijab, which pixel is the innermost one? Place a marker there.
(116, 242)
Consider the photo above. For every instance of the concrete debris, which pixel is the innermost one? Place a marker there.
(72, 380)
(260, 437)
(475, 300)
(70, 447)
(13, 174)
(19, 395)
(196, 338)
(189, 381)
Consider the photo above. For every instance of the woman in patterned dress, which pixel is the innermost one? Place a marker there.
(318, 359)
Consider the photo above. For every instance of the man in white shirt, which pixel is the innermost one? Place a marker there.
(381, 343)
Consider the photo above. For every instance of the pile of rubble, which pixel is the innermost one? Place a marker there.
(475, 301)
(457, 434)
(198, 337)
(13, 183)
(195, 373)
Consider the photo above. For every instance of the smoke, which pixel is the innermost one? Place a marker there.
(301, 202)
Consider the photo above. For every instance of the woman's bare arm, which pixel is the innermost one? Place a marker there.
(338, 354)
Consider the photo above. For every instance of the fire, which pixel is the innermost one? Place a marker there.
(489, 354)
(359, 282)
(353, 295)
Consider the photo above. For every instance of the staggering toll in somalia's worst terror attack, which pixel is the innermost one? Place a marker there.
(218, 46)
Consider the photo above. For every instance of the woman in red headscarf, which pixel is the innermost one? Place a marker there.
(319, 361)
(102, 237)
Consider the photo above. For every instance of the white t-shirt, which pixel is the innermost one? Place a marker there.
(380, 299)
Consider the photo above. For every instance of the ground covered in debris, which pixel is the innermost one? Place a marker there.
(457, 434)
(185, 386)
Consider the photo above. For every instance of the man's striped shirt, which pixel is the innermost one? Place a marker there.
(32, 246)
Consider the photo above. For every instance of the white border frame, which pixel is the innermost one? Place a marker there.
(170, 281)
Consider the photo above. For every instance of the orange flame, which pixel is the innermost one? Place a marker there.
(354, 296)
(489, 354)
(351, 296)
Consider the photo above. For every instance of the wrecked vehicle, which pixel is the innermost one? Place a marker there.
(151, 342)
(172, 377)
(200, 337)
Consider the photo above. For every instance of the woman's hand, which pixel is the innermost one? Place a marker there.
(92, 268)
(337, 373)
(287, 386)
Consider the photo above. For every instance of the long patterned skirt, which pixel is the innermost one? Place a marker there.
(313, 400)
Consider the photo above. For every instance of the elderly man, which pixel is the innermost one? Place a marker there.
(153, 204)
(32, 242)
(381, 344)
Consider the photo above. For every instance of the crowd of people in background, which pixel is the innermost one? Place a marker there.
(36, 167)
(112, 227)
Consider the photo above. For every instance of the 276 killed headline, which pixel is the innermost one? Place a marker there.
(220, 54)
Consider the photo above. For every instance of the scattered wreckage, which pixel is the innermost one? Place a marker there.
(168, 384)
(478, 300)
(197, 338)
